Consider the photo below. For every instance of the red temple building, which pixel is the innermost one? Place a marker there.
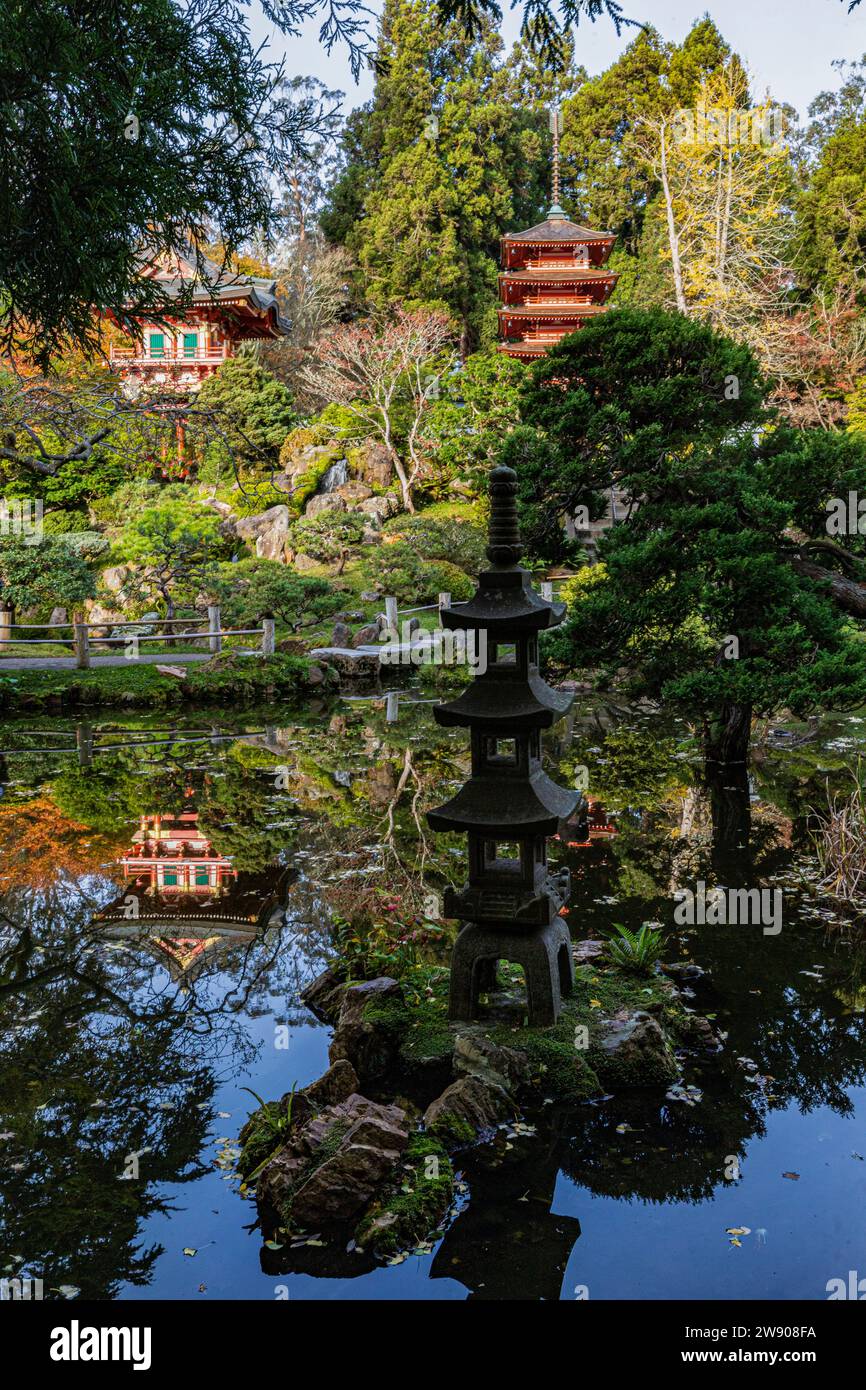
(553, 277)
(225, 308)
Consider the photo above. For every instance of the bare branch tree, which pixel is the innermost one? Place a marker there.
(382, 370)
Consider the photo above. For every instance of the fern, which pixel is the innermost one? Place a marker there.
(636, 950)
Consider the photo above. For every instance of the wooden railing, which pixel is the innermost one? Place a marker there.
(171, 353)
(555, 301)
(82, 641)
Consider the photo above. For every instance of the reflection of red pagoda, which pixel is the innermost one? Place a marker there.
(173, 857)
(553, 277)
(594, 825)
(183, 899)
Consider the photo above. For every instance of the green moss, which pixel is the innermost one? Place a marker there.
(453, 1129)
(259, 1139)
(305, 485)
(410, 1210)
(420, 1025)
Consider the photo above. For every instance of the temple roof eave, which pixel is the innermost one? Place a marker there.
(589, 275)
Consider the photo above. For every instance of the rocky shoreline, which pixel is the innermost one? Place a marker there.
(366, 1158)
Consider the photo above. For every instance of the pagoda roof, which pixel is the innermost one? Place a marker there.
(541, 276)
(522, 808)
(215, 285)
(559, 229)
(529, 704)
(552, 311)
(503, 604)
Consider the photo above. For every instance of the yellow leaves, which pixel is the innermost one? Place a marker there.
(595, 1004)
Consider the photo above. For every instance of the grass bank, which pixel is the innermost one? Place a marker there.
(225, 680)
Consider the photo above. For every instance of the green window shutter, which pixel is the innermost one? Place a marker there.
(157, 345)
(190, 344)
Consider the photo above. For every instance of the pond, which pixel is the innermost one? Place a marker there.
(167, 889)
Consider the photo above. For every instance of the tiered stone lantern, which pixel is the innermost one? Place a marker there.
(509, 807)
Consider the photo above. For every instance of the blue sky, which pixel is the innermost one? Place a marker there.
(788, 45)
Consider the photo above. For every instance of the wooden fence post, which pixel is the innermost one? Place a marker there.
(392, 706)
(5, 626)
(392, 618)
(215, 642)
(82, 646)
(268, 631)
(547, 590)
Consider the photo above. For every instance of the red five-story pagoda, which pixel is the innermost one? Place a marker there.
(553, 277)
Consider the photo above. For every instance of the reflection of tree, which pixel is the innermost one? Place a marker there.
(38, 844)
(102, 1055)
(244, 816)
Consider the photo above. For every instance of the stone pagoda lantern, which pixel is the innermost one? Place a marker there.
(509, 807)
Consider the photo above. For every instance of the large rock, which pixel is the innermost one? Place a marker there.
(350, 665)
(502, 1067)
(467, 1108)
(368, 636)
(380, 508)
(343, 1185)
(338, 1083)
(114, 577)
(354, 491)
(324, 502)
(633, 1051)
(323, 996)
(374, 465)
(334, 1164)
(249, 528)
(360, 1037)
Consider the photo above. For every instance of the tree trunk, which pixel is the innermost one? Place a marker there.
(673, 235)
(731, 811)
(846, 593)
(726, 738)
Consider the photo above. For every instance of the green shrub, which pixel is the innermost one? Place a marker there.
(399, 570)
(442, 538)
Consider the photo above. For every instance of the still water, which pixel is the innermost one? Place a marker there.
(166, 889)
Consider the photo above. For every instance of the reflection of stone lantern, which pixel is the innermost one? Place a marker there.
(509, 806)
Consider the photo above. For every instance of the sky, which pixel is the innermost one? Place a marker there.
(787, 45)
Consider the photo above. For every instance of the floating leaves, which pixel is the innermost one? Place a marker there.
(688, 1095)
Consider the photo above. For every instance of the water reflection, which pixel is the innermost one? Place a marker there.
(166, 892)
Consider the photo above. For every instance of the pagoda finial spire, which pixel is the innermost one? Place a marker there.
(504, 547)
(555, 129)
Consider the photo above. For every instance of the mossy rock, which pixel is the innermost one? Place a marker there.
(411, 1210)
(419, 1025)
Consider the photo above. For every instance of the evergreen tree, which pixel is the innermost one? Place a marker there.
(439, 164)
(714, 594)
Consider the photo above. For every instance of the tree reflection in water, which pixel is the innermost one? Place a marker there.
(117, 1025)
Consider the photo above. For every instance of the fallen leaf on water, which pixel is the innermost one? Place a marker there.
(202, 1288)
(738, 1243)
(738, 1230)
(272, 1245)
(793, 1176)
(188, 1250)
